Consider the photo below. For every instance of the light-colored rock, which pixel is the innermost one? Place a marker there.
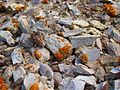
(97, 24)
(81, 23)
(71, 84)
(70, 33)
(45, 70)
(60, 46)
(19, 73)
(74, 9)
(25, 40)
(78, 41)
(117, 84)
(17, 56)
(29, 80)
(88, 79)
(99, 43)
(7, 36)
(65, 21)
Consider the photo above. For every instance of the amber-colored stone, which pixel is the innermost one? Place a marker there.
(34, 87)
(84, 58)
(3, 86)
(37, 54)
(45, 1)
(110, 9)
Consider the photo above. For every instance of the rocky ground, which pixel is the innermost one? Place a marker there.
(59, 45)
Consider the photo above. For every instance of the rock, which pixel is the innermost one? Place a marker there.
(60, 46)
(25, 40)
(7, 74)
(23, 24)
(19, 73)
(94, 31)
(88, 79)
(114, 73)
(89, 54)
(7, 36)
(65, 21)
(109, 62)
(39, 38)
(82, 70)
(112, 33)
(70, 59)
(117, 84)
(74, 9)
(29, 80)
(99, 43)
(70, 33)
(71, 84)
(97, 24)
(45, 70)
(78, 41)
(41, 54)
(17, 56)
(105, 17)
(81, 23)
(57, 78)
(34, 86)
(99, 71)
(113, 49)
(66, 68)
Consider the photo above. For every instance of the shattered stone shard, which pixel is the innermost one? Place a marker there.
(17, 56)
(7, 36)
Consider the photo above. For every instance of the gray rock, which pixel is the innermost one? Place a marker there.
(71, 84)
(74, 9)
(25, 40)
(7, 36)
(99, 71)
(82, 70)
(97, 24)
(19, 73)
(112, 33)
(113, 49)
(65, 21)
(45, 70)
(29, 80)
(17, 56)
(70, 33)
(23, 24)
(78, 41)
(57, 78)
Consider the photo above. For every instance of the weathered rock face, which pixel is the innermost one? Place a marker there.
(59, 46)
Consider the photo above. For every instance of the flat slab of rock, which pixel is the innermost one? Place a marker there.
(70, 33)
(78, 41)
